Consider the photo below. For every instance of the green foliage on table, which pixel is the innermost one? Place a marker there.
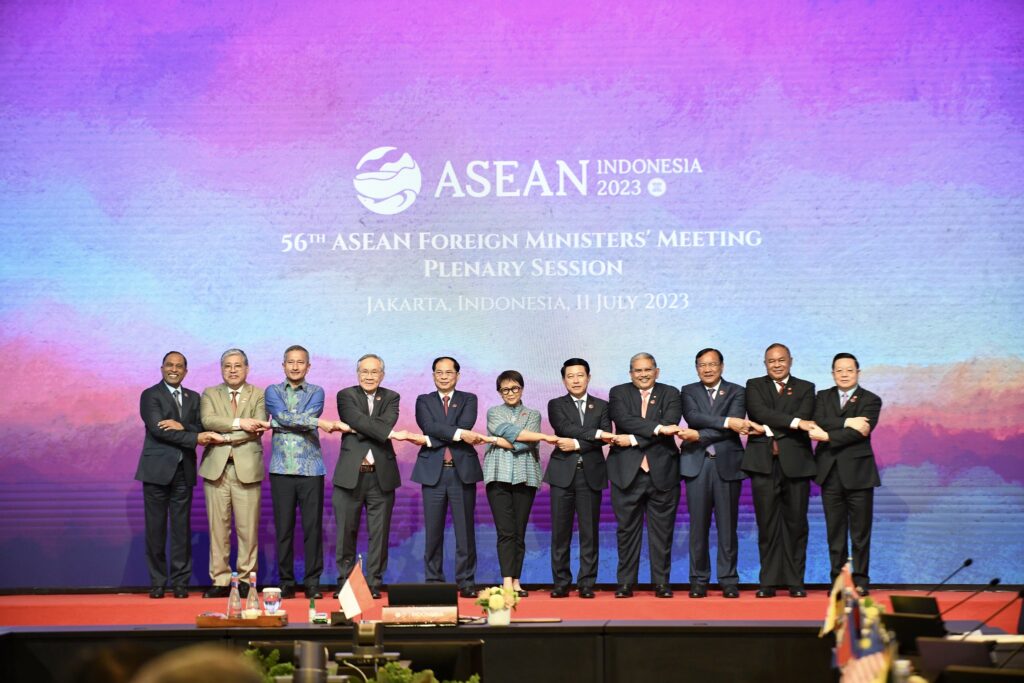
(393, 672)
(270, 664)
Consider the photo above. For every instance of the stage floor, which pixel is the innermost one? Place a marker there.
(118, 609)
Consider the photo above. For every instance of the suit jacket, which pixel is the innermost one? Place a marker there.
(708, 419)
(565, 421)
(161, 448)
(767, 406)
(663, 408)
(246, 449)
(846, 448)
(441, 429)
(371, 434)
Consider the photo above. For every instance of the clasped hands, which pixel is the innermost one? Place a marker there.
(330, 426)
(859, 424)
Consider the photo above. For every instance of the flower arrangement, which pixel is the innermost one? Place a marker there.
(496, 598)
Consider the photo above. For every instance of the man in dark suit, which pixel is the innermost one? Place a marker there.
(780, 464)
(643, 466)
(711, 471)
(167, 470)
(578, 475)
(448, 468)
(366, 475)
(847, 472)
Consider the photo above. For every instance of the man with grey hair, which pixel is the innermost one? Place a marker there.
(233, 469)
(366, 475)
(643, 465)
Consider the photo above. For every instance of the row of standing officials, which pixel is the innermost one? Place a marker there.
(779, 415)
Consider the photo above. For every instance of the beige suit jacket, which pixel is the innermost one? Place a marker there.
(246, 449)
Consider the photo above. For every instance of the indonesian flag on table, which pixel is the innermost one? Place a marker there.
(836, 601)
(354, 597)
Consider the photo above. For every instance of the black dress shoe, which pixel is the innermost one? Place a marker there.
(765, 593)
(698, 591)
(730, 592)
(312, 593)
(467, 592)
(156, 592)
(663, 591)
(217, 592)
(624, 591)
(522, 593)
(561, 592)
(375, 592)
(863, 591)
(181, 592)
(587, 592)
(287, 591)
(797, 592)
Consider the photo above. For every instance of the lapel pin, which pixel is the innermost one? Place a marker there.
(590, 407)
(378, 398)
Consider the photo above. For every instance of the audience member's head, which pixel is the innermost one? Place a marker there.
(200, 664)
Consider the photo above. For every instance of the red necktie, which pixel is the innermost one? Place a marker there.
(447, 453)
(775, 444)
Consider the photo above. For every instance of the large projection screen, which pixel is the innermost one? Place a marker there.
(512, 184)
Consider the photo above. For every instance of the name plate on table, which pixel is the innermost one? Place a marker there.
(213, 620)
(420, 614)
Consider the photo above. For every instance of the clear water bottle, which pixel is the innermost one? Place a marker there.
(234, 599)
(253, 601)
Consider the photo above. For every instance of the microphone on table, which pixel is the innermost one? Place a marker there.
(966, 563)
(991, 584)
(1018, 596)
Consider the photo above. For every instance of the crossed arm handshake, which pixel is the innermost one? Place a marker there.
(859, 424)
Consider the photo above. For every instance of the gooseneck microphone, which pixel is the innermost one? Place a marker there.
(991, 584)
(966, 563)
(983, 622)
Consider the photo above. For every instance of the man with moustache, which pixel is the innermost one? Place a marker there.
(780, 464)
(167, 470)
(233, 470)
(578, 475)
(366, 475)
(448, 468)
(847, 473)
(297, 470)
(643, 465)
(711, 471)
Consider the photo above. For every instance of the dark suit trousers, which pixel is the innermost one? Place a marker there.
(449, 490)
(307, 493)
(780, 507)
(510, 506)
(848, 511)
(707, 493)
(348, 513)
(585, 502)
(157, 501)
(639, 500)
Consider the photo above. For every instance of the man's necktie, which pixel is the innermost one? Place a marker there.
(644, 397)
(579, 407)
(775, 443)
(447, 451)
(177, 400)
(843, 398)
(711, 395)
(369, 403)
(234, 403)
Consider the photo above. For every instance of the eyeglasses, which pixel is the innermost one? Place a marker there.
(510, 391)
(445, 373)
(370, 373)
(707, 366)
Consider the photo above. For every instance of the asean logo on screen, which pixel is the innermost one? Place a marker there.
(387, 187)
